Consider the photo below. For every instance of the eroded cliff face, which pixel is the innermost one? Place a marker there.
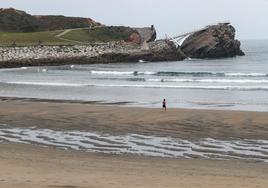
(215, 41)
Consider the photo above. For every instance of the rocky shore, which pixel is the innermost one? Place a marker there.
(160, 50)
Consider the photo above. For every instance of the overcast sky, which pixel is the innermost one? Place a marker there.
(250, 17)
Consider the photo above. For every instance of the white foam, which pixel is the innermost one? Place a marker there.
(112, 72)
(122, 73)
(48, 84)
(246, 74)
(140, 144)
(207, 80)
(230, 74)
(212, 87)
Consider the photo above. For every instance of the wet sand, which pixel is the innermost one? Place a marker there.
(177, 123)
(25, 166)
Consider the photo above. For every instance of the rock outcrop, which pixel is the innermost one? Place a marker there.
(147, 34)
(163, 50)
(215, 41)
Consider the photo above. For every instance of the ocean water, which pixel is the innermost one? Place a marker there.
(239, 83)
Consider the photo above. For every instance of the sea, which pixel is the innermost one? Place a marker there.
(239, 83)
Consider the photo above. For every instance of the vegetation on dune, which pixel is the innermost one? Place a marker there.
(100, 34)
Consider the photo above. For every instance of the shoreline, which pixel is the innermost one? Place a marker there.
(176, 123)
(123, 104)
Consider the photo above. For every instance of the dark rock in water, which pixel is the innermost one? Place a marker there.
(215, 41)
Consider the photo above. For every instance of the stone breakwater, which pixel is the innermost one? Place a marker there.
(160, 50)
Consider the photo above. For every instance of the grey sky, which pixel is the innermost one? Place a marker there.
(169, 16)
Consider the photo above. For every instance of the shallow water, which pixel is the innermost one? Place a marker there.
(207, 148)
(239, 83)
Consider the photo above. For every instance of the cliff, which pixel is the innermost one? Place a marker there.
(215, 41)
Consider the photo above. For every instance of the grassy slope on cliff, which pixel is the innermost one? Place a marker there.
(29, 39)
(100, 34)
(25, 29)
(12, 20)
(51, 23)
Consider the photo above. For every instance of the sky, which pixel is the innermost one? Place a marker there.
(172, 17)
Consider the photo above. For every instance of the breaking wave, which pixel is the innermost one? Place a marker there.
(210, 87)
(194, 74)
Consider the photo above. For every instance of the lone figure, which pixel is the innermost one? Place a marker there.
(164, 105)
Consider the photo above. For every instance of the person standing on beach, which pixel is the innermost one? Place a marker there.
(164, 105)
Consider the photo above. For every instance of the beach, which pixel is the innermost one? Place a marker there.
(176, 123)
(33, 167)
(40, 165)
(158, 101)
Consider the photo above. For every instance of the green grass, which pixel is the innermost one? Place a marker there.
(29, 39)
(99, 34)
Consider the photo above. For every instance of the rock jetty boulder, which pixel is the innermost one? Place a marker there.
(214, 41)
(163, 50)
(112, 52)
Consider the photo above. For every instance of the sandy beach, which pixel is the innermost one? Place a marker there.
(33, 167)
(176, 123)
(27, 166)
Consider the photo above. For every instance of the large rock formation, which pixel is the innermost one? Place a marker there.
(215, 41)
(142, 35)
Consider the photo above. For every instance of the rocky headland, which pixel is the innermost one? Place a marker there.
(119, 44)
(215, 41)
